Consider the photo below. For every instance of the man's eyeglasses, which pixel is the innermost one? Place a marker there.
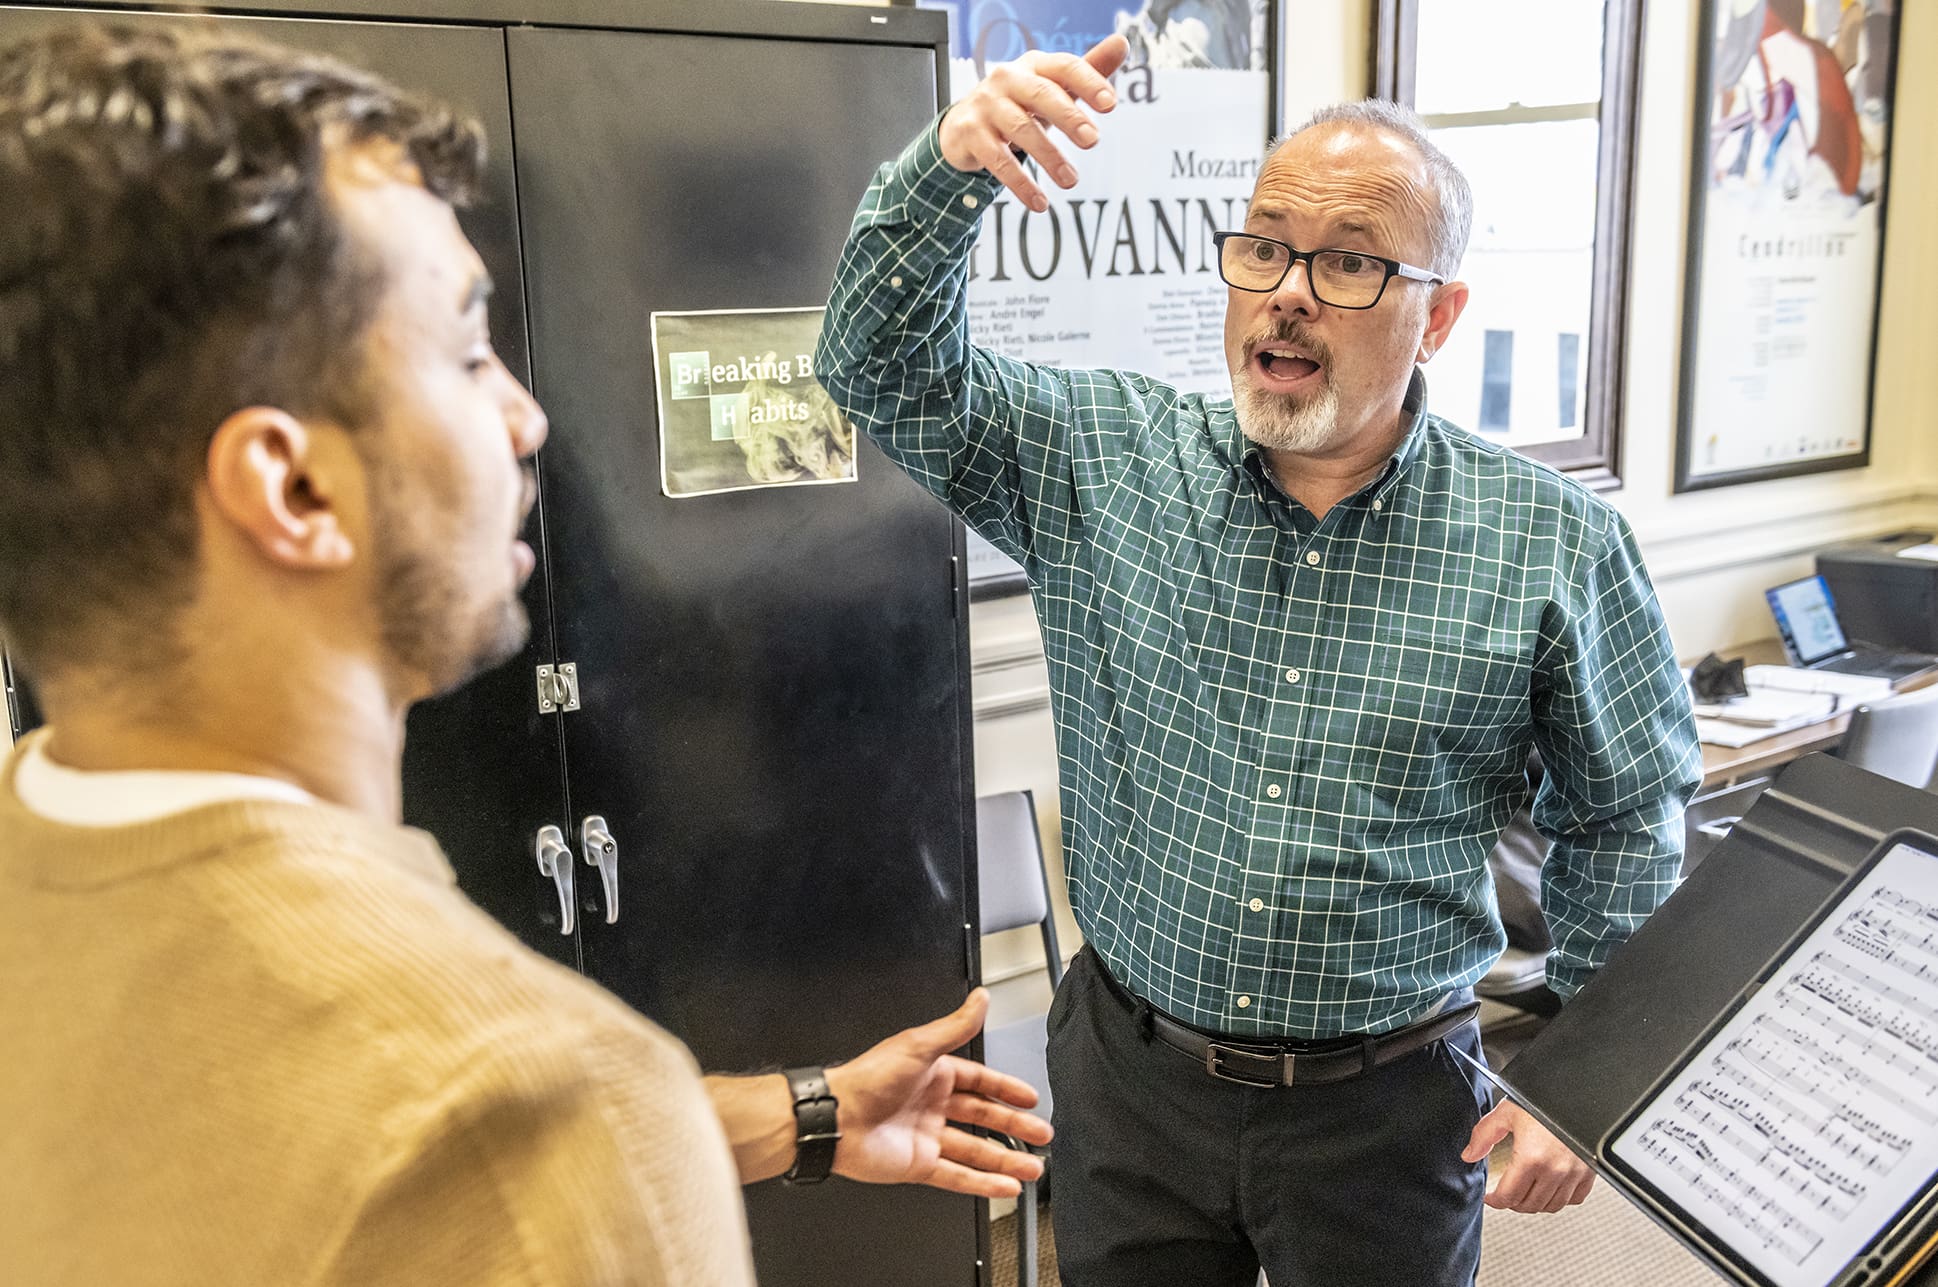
(1340, 278)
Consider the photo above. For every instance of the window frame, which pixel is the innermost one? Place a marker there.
(1595, 457)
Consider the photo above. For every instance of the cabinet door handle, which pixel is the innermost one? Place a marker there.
(555, 860)
(602, 851)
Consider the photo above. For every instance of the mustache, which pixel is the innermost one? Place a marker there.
(1291, 331)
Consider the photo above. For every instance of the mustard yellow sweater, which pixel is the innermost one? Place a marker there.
(263, 1043)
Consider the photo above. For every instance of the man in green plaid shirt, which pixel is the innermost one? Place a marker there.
(1300, 644)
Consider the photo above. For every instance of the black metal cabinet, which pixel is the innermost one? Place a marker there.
(772, 727)
(773, 717)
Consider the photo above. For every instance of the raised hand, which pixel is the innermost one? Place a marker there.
(1016, 106)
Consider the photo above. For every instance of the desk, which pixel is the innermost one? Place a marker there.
(1722, 765)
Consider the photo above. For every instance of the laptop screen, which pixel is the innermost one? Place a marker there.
(1807, 1122)
(1807, 619)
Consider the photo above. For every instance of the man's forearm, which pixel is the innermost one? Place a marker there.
(897, 293)
(758, 1115)
(1598, 888)
(896, 357)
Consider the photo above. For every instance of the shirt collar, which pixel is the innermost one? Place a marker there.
(91, 798)
(136, 849)
(1413, 408)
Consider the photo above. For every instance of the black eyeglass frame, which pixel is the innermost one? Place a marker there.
(1394, 268)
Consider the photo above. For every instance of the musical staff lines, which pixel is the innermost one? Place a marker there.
(1734, 1192)
(1815, 1109)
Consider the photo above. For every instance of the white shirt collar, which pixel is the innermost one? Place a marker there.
(85, 798)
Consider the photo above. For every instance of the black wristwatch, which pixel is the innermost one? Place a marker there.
(815, 1129)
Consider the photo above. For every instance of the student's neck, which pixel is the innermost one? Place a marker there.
(333, 731)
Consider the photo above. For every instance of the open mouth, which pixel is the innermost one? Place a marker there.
(1285, 370)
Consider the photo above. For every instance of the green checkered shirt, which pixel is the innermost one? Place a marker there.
(1286, 744)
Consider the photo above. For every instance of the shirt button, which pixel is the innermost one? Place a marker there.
(1243, 1002)
(1257, 904)
(1292, 676)
(969, 203)
(1312, 558)
(1379, 504)
(1273, 790)
(895, 281)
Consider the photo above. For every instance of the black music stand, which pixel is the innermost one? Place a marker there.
(1782, 862)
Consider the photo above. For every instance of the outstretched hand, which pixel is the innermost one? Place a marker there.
(900, 1100)
(1018, 103)
(1542, 1175)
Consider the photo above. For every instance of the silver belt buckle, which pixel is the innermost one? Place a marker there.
(1215, 1056)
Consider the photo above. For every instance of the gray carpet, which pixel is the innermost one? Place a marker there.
(1604, 1242)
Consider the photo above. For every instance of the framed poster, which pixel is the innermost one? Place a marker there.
(1120, 271)
(1786, 238)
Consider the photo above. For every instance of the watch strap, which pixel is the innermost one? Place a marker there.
(816, 1131)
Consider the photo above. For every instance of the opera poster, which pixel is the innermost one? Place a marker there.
(1120, 271)
(739, 406)
(1791, 157)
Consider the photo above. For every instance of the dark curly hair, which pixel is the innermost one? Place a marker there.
(168, 255)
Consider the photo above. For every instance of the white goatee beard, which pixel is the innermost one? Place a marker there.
(1278, 423)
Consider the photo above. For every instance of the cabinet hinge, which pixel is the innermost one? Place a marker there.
(558, 688)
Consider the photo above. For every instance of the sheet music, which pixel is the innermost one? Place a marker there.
(1802, 1127)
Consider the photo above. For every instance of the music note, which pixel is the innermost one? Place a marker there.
(1811, 1116)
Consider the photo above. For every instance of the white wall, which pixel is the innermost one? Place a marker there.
(1710, 553)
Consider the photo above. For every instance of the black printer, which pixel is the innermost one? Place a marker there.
(1884, 596)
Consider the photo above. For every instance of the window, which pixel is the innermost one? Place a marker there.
(1534, 100)
(1497, 382)
(1566, 380)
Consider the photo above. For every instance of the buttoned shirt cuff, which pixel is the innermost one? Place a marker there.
(1565, 980)
(922, 191)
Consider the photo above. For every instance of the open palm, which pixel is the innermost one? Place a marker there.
(905, 1103)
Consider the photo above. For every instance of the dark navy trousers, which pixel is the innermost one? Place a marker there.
(1169, 1177)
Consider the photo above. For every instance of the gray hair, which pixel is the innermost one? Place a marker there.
(1453, 198)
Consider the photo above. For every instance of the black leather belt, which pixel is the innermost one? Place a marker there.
(1288, 1063)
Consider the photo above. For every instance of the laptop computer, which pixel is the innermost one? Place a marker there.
(1813, 638)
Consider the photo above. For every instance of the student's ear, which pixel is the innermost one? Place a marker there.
(280, 488)
(1449, 301)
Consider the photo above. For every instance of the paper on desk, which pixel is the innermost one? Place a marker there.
(1925, 551)
(1770, 706)
(1851, 688)
(1727, 732)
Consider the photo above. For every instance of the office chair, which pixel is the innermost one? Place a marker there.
(1519, 978)
(1014, 892)
(1896, 738)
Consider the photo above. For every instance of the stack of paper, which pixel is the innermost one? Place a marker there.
(1721, 732)
(1771, 706)
(1764, 712)
(1850, 690)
